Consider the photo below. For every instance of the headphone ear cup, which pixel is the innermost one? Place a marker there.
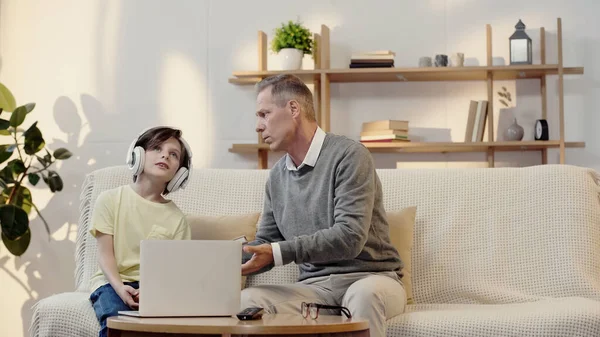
(138, 160)
(178, 180)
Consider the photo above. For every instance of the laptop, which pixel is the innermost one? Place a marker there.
(189, 278)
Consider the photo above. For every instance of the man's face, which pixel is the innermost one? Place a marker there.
(277, 124)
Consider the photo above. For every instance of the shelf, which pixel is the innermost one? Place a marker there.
(443, 147)
(248, 148)
(321, 76)
(439, 147)
(252, 77)
(478, 73)
(475, 73)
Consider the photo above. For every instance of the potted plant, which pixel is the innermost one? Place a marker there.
(24, 162)
(292, 41)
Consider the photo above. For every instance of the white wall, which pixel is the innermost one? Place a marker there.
(100, 71)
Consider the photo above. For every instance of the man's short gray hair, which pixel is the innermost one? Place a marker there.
(287, 87)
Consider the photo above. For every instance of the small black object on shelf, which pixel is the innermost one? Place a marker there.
(541, 130)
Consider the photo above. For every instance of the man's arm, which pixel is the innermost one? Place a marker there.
(267, 233)
(355, 185)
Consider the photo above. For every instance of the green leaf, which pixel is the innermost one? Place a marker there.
(34, 141)
(41, 160)
(54, 181)
(22, 197)
(29, 107)
(19, 246)
(18, 116)
(62, 154)
(14, 221)
(17, 166)
(2, 183)
(5, 132)
(34, 178)
(4, 124)
(5, 154)
(6, 174)
(48, 157)
(7, 100)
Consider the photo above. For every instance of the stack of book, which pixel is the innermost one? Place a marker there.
(373, 59)
(384, 131)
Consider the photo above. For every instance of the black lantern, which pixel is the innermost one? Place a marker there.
(520, 45)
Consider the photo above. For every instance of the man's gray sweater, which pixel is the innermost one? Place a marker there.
(329, 219)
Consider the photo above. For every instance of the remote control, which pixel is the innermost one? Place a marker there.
(250, 314)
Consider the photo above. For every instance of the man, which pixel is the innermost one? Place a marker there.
(323, 210)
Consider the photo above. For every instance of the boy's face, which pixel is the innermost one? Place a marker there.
(162, 161)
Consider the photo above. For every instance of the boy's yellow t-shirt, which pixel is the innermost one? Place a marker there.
(130, 218)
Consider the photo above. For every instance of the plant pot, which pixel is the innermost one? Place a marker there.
(291, 58)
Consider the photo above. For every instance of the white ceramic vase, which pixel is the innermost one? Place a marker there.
(514, 131)
(291, 58)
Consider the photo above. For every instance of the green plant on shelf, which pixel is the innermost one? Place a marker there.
(293, 35)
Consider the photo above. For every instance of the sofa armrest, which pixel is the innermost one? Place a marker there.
(64, 314)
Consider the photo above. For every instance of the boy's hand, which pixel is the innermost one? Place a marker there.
(129, 295)
(262, 256)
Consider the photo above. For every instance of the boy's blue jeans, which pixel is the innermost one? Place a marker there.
(107, 303)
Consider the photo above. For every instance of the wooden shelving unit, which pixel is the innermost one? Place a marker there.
(322, 76)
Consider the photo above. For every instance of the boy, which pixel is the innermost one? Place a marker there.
(160, 161)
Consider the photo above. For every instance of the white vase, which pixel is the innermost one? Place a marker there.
(514, 131)
(291, 58)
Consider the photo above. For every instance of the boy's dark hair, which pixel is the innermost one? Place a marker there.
(158, 135)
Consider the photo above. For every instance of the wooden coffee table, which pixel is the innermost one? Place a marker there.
(270, 325)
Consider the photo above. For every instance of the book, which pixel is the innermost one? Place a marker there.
(471, 121)
(371, 57)
(383, 137)
(386, 141)
(385, 132)
(367, 61)
(480, 119)
(387, 124)
(370, 65)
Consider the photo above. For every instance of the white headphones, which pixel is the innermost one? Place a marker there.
(136, 160)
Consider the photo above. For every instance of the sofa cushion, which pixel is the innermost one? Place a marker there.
(567, 316)
(402, 223)
(66, 315)
(502, 235)
(223, 227)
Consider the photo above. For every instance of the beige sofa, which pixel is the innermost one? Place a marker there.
(494, 252)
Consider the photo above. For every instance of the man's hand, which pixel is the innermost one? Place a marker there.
(262, 256)
(129, 295)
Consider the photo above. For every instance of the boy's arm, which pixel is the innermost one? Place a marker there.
(108, 264)
(103, 223)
